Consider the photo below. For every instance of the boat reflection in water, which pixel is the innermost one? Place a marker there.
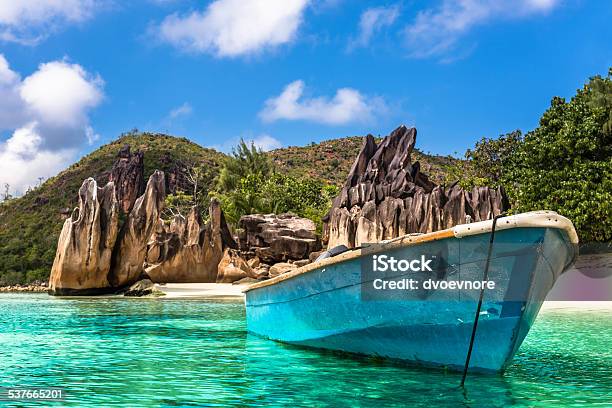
(338, 303)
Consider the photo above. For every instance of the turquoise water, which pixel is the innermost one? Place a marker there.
(161, 352)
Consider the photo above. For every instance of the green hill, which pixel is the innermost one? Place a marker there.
(331, 160)
(30, 225)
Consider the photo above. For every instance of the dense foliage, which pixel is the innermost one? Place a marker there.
(248, 183)
(565, 164)
(244, 160)
(277, 193)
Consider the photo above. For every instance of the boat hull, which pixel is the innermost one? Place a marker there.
(336, 307)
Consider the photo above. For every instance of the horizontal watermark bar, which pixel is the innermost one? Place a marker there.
(516, 272)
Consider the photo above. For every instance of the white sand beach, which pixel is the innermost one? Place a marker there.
(201, 290)
(573, 305)
(227, 290)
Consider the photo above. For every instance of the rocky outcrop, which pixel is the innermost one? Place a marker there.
(386, 196)
(281, 268)
(36, 286)
(95, 255)
(131, 249)
(143, 287)
(83, 257)
(189, 250)
(233, 268)
(277, 238)
(128, 176)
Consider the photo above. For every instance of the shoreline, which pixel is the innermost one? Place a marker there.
(169, 290)
(573, 305)
(231, 291)
(24, 289)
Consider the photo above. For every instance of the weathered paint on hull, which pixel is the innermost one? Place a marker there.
(324, 308)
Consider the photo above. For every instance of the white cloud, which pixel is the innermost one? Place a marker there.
(60, 94)
(47, 113)
(7, 76)
(373, 20)
(23, 160)
(266, 142)
(230, 28)
(435, 32)
(184, 110)
(29, 21)
(348, 105)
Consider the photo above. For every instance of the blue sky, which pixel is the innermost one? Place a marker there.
(75, 74)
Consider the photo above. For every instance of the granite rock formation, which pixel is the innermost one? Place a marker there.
(386, 196)
(233, 268)
(96, 255)
(131, 248)
(143, 287)
(281, 268)
(128, 176)
(83, 257)
(189, 250)
(277, 238)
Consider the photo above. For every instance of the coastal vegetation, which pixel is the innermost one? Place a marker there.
(249, 183)
(564, 165)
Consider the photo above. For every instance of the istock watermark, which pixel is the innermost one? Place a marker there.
(383, 263)
(453, 270)
(406, 274)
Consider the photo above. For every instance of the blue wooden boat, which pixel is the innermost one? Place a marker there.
(333, 304)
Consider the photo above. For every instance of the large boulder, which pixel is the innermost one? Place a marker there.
(233, 268)
(281, 268)
(143, 287)
(83, 258)
(128, 176)
(131, 248)
(275, 238)
(386, 196)
(189, 250)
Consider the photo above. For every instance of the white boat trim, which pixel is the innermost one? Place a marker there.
(533, 219)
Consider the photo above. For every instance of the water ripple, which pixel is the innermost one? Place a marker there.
(137, 352)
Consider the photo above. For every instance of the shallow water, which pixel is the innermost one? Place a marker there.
(161, 352)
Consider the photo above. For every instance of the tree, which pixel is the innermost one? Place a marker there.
(277, 193)
(198, 179)
(599, 96)
(244, 160)
(565, 164)
(6, 195)
(491, 157)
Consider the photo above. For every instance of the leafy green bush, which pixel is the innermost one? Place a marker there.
(277, 193)
(12, 278)
(565, 164)
(244, 160)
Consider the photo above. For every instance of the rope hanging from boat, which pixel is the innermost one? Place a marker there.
(484, 278)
